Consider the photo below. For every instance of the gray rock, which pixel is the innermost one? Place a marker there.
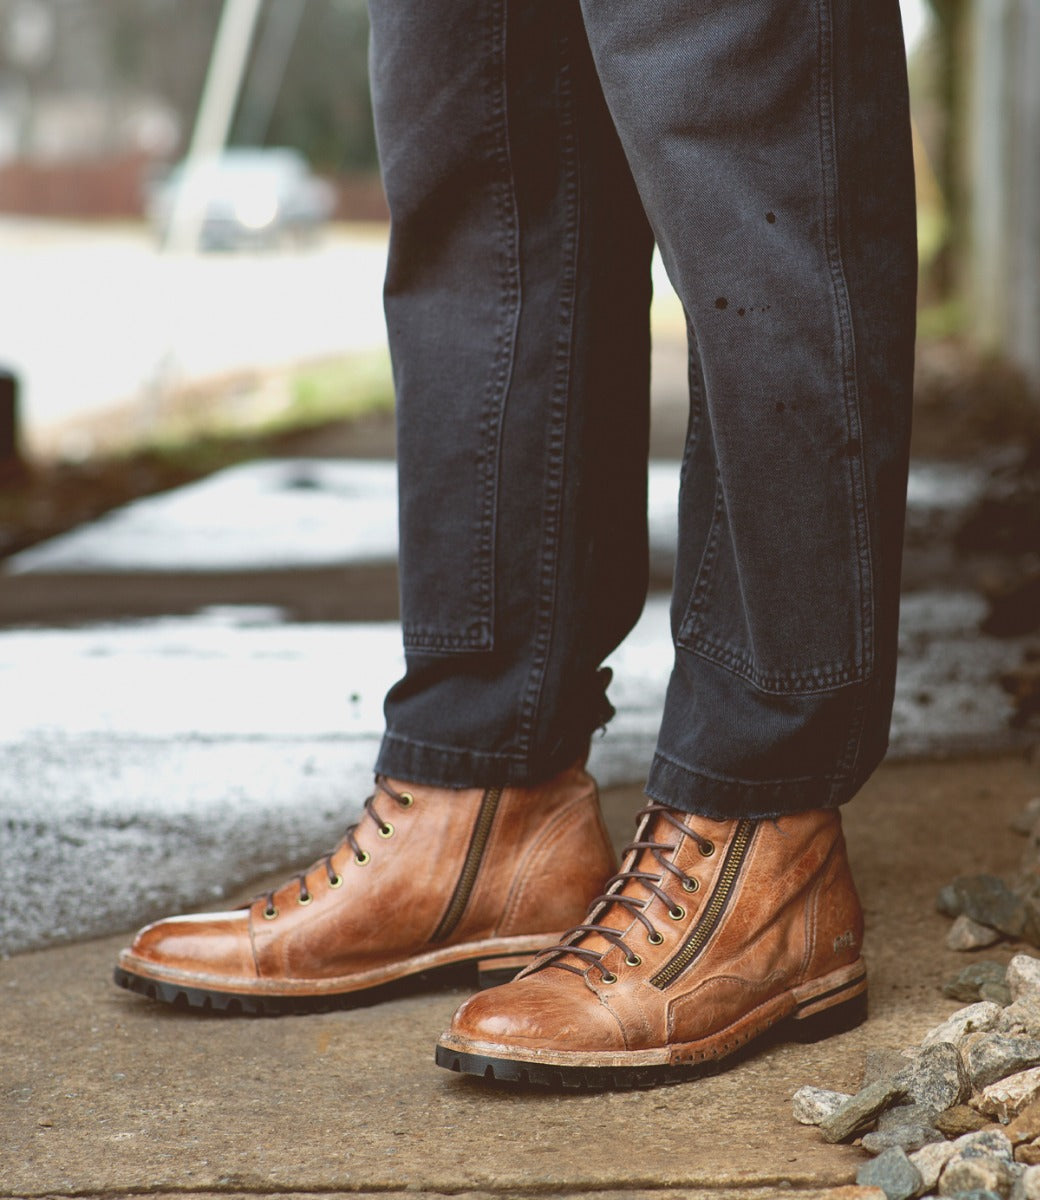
(988, 900)
(976, 1018)
(930, 1160)
(985, 1142)
(1023, 978)
(998, 1055)
(937, 1078)
(982, 1173)
(966, 934)
(999, 993)
(1021, 1017)
(909, 1136)
(860, 1110)
(894, 1173)
(810, 1105)
(966, 983)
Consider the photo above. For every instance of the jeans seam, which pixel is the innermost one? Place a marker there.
(491, 421)
(829, 191)
(530, 703)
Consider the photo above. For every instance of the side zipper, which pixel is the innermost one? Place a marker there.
(713, 910)
(471, 867)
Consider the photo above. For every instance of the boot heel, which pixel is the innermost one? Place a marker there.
(493, 971)
(826, 1022)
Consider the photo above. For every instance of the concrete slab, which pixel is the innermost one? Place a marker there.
(312, 512)
(103, 1092)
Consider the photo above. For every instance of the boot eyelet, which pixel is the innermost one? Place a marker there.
(608, 977)
(363, 859)
(690, 885)
(406, 799)
(336, 881)
(304, 899)
(655, 938)
(707, 849)
(386, 831)
(677, 913)
(270, 912)
(633, 960)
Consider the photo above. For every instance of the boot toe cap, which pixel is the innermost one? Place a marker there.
(203, 947)
(535, 1013)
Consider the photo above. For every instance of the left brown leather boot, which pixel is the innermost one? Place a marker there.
(429, 877)
(711, 933)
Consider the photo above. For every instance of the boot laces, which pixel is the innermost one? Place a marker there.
(361, 857)
(638, 852)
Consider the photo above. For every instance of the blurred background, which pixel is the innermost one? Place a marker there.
(152, 306)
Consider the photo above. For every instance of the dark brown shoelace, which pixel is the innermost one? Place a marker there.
(361, 857)
(635, 905)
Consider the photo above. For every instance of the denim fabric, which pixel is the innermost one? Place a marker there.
(532, 150)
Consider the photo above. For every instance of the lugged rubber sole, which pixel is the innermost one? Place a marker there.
(490, 971)
(837, 1018)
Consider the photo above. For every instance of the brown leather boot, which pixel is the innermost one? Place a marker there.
(428, 877)
(712, 932)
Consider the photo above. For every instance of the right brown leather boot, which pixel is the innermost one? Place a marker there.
(427, 878)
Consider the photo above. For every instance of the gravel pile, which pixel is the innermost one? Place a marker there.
(958, 1115)
(986, 908)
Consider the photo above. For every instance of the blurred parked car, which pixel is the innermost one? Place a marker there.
(244, 198)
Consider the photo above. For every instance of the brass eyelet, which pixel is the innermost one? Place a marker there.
(608, 977)
(386, 831)
(363, 859)
(707, 849)
(270, 913)
(305, 899)
(655, 938)
(677, 913)
(634, 960)
(406, 799)
(336, 881)
(690, 885)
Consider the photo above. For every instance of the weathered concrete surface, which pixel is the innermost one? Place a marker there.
(104, 1092)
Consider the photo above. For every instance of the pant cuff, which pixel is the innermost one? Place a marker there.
(450, 767)
(692, 791)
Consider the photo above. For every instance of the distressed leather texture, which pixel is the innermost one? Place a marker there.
(546, 857)
(787, 942)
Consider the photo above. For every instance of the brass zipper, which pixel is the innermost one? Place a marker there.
(468, 875)
(712, 914)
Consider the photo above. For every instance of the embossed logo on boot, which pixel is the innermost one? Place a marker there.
(844, 941)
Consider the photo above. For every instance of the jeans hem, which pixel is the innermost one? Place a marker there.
(451, 767)
(720, 799)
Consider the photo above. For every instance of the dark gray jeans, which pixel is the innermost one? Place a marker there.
(532, 151)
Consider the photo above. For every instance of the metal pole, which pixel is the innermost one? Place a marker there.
(227, 67)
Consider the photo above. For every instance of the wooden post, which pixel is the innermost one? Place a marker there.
(10, 454)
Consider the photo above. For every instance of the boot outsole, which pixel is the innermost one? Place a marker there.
(179, 995)
(839, 1018)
